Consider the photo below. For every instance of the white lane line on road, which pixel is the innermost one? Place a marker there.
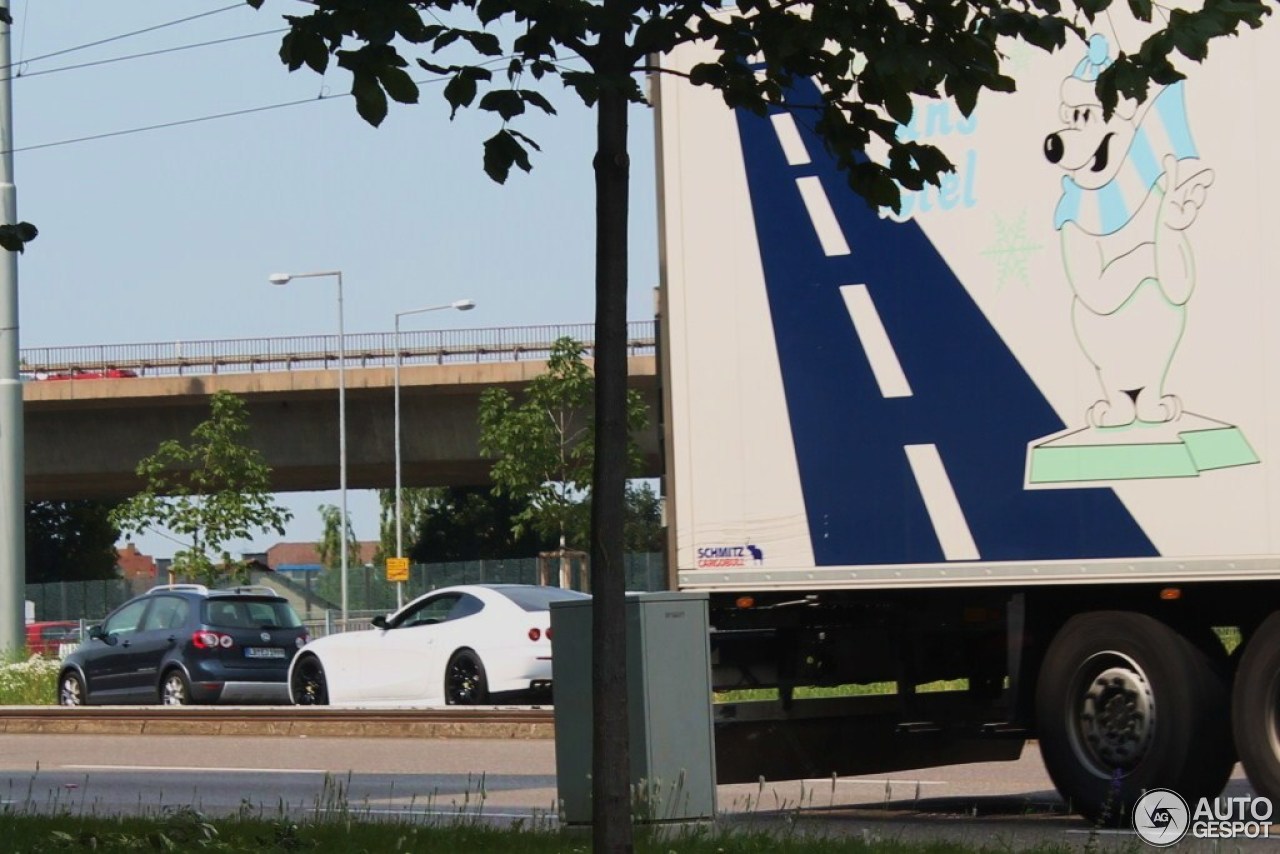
(1102, 831)
(789, 136)
(880, 783)
(192, 768)
(941, 503)
(477, 812)
(875, 341)
(822, 216)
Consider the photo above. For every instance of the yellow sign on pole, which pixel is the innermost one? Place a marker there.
(397, 569)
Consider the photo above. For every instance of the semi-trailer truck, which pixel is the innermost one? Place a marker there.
(1019, 438)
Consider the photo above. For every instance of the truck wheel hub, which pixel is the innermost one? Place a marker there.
(1117, 719)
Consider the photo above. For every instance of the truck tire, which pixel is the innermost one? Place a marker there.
(1125, 704)
(1255, 708)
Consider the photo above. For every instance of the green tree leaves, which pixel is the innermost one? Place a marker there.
(330, 546)
(473, 523)
(544, 444)
(70, 541)
(505, 149)
(869, 59)
(464, 523)
(210, 490)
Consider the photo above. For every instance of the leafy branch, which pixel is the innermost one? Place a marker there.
(211, 490)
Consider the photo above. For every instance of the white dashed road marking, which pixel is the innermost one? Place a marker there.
(822, 216)
(789, 136)
(941, 503)
(875, 341)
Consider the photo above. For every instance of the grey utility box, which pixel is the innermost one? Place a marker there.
(673, 774)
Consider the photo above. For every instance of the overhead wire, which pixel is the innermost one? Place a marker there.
(26, 28)
(180, 122)
(122, 36)
(22, 75)
(215, 116)
(24, 62)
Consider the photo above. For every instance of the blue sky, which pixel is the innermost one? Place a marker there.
(169, 234)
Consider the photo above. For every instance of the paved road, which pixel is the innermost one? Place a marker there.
(1010, 802)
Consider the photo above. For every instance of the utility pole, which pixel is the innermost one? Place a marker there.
(12, 478)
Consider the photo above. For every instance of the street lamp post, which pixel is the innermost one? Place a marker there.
(284, 279)
(12, 480)
(460, 305)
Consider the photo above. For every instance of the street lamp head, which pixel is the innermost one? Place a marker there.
(463, 304)
(279, 278)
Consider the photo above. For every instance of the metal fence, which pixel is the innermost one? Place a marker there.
(79, 600)
(370, 594)
(368, 591)
(373, 349)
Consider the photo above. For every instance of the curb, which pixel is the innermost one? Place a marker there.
(286, 722)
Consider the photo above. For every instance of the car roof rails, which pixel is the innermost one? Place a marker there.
(194, 588)
(259, 589)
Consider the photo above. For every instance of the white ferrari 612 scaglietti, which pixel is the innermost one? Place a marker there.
(470, 644)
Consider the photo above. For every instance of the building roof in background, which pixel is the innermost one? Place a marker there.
(306, 554)
(135, 564)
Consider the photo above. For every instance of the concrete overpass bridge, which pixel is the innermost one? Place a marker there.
(91, 413)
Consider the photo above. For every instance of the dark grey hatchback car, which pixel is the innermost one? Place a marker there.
(186, 643)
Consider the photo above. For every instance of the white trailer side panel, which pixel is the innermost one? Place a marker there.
(1050, 366)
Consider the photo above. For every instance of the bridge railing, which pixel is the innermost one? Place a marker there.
(311, 352)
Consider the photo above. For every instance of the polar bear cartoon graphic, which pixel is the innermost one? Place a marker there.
(1133, 188)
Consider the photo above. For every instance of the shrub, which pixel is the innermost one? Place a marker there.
(28, 681)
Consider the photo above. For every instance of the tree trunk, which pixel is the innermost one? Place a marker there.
(611, 766)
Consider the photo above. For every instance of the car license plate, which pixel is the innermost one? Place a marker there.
(263, 652)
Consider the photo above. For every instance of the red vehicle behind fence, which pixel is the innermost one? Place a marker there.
(46, 638)
(110, 374)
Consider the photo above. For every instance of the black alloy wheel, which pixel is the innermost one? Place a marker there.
(464, 681)
(307, 686)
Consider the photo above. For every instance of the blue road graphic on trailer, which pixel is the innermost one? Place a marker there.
(969, 396)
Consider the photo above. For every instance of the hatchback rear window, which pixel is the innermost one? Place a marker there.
(244, 613)
(539, 598)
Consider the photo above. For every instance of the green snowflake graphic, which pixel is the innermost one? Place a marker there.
(1017, 58)
(1012, 250)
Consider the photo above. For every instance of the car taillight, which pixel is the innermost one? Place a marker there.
(204, 639)
(302, 641)
(535, 634)
(548, 633)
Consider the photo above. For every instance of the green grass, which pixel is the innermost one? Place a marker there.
(1230, 637)
(186, 830)
(28, 681)
(33, 682)
(810, 693)
(336, 826)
